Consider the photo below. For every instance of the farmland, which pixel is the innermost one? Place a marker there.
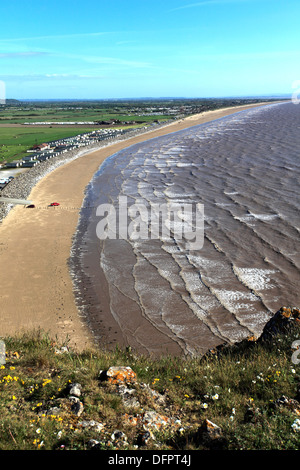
(24, 124)
(118, 112)
(15, 141)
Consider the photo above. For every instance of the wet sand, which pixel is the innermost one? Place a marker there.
(36, 285)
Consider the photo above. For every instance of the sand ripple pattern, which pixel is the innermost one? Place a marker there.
(244, 168)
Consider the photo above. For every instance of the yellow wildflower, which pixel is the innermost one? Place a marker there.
(46, 381)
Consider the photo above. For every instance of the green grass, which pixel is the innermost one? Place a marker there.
(12, 115)
(237, 390)
(15, 141)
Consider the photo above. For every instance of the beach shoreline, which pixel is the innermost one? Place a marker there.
(37, 290)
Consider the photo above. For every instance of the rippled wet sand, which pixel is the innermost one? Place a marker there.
(156, 295)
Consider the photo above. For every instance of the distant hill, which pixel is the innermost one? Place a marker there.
(12, 102)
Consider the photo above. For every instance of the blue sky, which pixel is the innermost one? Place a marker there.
(96, 49)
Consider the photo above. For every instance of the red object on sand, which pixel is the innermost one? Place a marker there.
(54, 204)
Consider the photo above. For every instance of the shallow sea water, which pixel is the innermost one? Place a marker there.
(166, 298)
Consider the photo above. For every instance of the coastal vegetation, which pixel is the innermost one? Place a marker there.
(120, 110)
(14, 142)
(241, 397)
(24, 124)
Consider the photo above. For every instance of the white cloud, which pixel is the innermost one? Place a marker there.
(209, 3)
(50, 76)
(114, 61)
(57, 36)
(8, 55)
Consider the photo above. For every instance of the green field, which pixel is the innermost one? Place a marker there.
(80, 113)
(15, 141)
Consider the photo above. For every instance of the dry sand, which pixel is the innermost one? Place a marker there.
(36, 287)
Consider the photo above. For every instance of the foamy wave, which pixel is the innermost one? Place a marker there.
(236, 167)
(254, 278)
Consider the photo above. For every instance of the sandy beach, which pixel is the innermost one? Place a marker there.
(36, 286)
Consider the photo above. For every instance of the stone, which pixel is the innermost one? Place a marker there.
(94, 444)
(157, 397)
(119, 438)
(289, 403)
(144, 438)
(282, 319)
(75, 389)
(127, 395)
(91, 424)
(62, 350)
(211, 435)
(154, 420)
(119, 375)
(117, 435)
(151, 420)
(76, 406)
(132, 420)
(54, 411)
(2, 353)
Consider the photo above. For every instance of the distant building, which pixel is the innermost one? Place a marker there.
(29, 158)
(14, 164)
(30, 164)
(43, 158)
(41, 147)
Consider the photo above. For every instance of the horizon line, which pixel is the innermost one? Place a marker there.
(263, 95)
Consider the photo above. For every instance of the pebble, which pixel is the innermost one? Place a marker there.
(91, 424)
(76, 406)
(75, 389)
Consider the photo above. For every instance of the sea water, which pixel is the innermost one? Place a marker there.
(165, 298)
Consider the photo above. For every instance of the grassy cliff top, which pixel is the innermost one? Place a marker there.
(241, 397)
